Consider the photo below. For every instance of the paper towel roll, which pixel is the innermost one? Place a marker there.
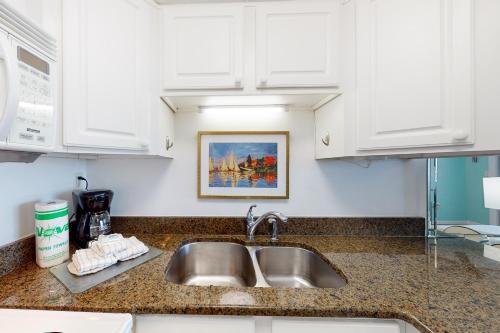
(51, 232)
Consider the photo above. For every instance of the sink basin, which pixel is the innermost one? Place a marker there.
(234, 265)
(295, 267)
(212, 264)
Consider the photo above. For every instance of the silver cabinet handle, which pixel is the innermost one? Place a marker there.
(237, 82)
(263, 81)
(169, 143)
(326, 139)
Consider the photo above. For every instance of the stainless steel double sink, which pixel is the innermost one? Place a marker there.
(236, 265)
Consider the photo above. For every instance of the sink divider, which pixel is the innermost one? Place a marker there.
(261, 281)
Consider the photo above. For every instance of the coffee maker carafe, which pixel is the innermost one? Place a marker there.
(92, 215)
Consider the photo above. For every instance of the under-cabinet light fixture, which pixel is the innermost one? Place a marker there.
(239, 109)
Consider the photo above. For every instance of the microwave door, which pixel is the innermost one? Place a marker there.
(8, 85)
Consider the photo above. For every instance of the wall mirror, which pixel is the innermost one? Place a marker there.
(463, 196)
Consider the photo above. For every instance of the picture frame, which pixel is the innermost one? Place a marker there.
(243, 164)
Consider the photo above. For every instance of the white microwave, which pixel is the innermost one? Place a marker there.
(27, 86)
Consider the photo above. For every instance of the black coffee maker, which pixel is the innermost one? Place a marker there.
(92, 215)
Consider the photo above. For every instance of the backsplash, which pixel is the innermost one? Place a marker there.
(340, 226)
(24, 184)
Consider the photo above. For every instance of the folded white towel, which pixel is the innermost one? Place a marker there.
(134, 249)
(72, 269)
(88, 261)
(104, 252)
(107, 245)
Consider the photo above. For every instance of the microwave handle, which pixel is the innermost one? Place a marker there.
(7, 115)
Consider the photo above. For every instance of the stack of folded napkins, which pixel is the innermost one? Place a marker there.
(106, 251)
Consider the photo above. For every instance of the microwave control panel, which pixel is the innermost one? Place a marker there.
(35, 119)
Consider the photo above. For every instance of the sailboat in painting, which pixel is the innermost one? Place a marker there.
(223, 166)
(246, 168)
(233, 163)
(211, 165)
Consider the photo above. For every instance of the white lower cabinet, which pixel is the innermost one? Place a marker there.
(231, 324)
(316, 325)
(193, 324)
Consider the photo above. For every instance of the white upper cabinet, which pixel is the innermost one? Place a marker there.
(414, 73)
(107, 73)
(203, 46)
(245, 48)
(330, 129)
(296, 44)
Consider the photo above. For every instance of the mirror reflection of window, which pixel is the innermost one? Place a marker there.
(457, 196)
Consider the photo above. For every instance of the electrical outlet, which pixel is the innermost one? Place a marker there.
(77, 185)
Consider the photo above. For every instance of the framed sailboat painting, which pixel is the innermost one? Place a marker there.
(243, 165)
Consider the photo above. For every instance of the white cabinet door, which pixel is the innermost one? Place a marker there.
(414, 73)
(296, 44)
(318, 325)
(231, 324)
(329, 122)
(106, 73)
(203, 46)
(193, 324)
(166, 119)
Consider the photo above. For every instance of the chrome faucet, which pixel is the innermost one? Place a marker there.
(272, 217)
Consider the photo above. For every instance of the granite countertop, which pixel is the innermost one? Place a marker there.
(448, 287)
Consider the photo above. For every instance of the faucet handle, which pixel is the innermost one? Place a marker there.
(281, 216)
(250, 213)
(272, 220)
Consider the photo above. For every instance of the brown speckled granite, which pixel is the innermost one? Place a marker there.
(16, 254)
(449, 288)
(348, 226)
